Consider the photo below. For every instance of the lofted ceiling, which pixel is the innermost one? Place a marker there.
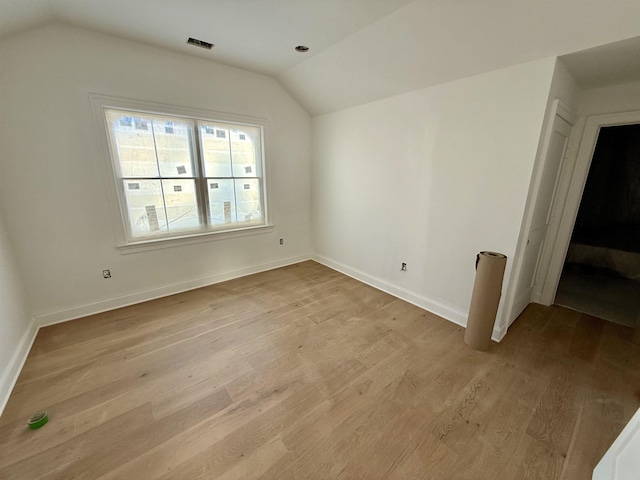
(617, 62)
(364, 50)
(257, 35)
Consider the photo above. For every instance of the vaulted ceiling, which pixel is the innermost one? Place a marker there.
(363, 50)
(257, 35)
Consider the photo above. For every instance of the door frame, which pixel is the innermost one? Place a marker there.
(566, 210)
(621, 460)
(557, 108)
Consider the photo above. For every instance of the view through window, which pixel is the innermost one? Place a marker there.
(177, 176)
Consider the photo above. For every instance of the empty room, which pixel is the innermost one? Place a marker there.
(287, 239)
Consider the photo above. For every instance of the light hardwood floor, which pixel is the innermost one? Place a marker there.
(302, 372)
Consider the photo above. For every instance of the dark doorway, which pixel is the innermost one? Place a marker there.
(601, 274)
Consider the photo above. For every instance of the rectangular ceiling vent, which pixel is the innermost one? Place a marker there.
(200, 43)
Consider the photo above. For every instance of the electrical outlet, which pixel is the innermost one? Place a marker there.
(282, 241)
(403, 267)
(106, 273)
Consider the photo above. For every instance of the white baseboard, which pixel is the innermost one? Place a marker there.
(12, 372)
(499, 332)
(447, 312)
(10, 375)
(46, 319)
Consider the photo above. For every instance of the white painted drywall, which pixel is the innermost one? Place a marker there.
(564, 87)
(15, 321)
(53, 187)
(427, 43)
(612, 99)
(429, 178)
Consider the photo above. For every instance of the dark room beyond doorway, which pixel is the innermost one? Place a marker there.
(601, 274)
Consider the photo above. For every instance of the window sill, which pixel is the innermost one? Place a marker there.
(158, 243)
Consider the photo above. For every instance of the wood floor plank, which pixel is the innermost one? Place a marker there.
(556, 414)
(496, 442)
(254, 466)
(532, 461)
(302, 372)
(431, 460)
(83, 447)
(182, 455)
(599, 422)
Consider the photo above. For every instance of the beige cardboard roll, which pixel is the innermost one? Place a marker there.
(485, 299)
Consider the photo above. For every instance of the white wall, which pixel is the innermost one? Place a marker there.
(16, 328)
(429, 178)
(612, 99)
(431, 42)
(564, 87)
(52, 184)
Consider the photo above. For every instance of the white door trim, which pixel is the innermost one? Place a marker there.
(567, 210)
(621, 460)
(513, 300)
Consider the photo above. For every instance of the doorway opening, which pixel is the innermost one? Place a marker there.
(601, 271)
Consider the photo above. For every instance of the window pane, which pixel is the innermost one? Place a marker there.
(215, 149)
(245, 151)
(172, 144)
(132, 141)
(248, 200)
(222, 204)
(181, 203)
(145, 207)
(161, 171)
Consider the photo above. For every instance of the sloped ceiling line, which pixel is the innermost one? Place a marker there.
(364, 50)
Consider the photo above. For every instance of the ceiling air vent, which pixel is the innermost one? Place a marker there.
(200, 43)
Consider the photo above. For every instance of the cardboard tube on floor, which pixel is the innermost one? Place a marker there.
(484, 299)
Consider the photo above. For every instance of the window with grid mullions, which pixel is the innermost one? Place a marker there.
(178, 176)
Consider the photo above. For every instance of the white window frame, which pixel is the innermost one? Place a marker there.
(124, 241)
